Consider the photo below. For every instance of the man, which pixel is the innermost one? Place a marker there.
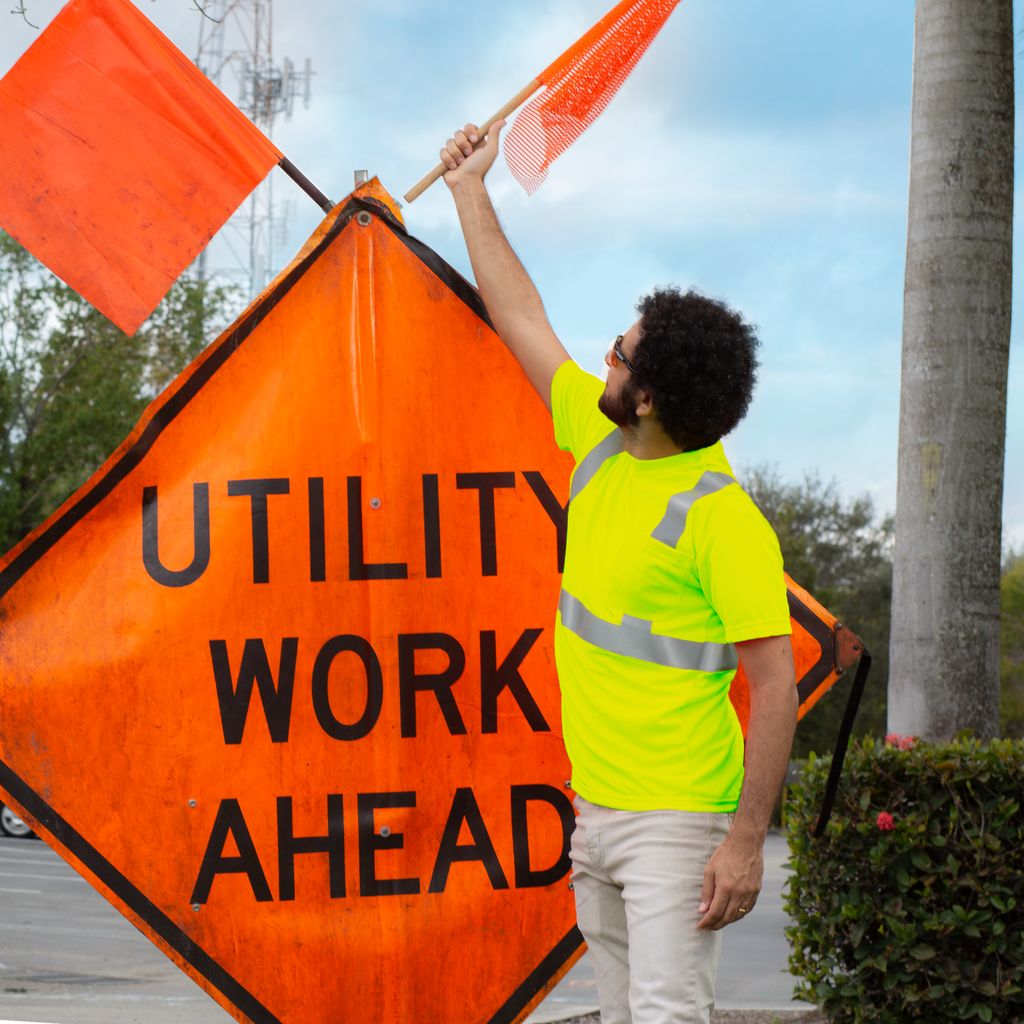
(670, 570)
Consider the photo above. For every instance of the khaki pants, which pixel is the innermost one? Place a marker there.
(637, 876)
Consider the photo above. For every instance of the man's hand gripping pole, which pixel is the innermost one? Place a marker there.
(520, 98)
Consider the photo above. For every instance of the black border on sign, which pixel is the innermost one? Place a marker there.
(538, 977)
(54, 823)
(823, 633)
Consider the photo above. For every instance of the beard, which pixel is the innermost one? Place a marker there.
(620, 408)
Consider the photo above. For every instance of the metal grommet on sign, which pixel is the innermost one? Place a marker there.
(571, 886)
(568, 783)
(375, 503)
(385, 831)
(191, 803)
(195, 907)
(364, 218)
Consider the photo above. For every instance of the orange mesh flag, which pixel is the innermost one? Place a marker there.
(580, 84)
(119, 159)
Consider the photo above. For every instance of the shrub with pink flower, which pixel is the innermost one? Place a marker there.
(901, 742)
(918, 877)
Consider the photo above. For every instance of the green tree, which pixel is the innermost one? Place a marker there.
(72, 385)
(1011, 643)
(835, 549)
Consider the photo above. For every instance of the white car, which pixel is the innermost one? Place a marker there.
(12, 825)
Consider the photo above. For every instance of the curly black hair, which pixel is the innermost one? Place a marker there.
(698, 359)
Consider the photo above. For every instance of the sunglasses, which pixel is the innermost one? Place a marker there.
(617, 356)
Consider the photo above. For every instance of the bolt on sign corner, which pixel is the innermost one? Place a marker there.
(279, 680)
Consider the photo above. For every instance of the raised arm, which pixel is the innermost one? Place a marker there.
(512, 301)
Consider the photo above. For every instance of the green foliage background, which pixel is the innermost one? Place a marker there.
(72, 385)
(923, 921)
(1011, 664)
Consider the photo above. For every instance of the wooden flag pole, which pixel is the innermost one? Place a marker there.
(520, 97)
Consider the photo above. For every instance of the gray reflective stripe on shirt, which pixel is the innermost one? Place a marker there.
(672, 524)
(613, 444)
(634, 639)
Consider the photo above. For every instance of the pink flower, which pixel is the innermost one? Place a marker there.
(885, 822)
(901, 742)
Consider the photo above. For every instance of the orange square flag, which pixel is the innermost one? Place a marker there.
(119, 159)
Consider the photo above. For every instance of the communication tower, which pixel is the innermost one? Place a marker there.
(236, 52)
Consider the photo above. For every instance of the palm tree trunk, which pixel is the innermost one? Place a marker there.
(944, 648)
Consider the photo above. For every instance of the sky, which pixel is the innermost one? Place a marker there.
(759, 152)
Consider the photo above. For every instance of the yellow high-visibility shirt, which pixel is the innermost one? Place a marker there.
(668, 563)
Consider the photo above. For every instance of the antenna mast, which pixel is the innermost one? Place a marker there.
(237, 36)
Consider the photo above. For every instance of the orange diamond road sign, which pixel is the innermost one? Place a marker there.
(279, 679)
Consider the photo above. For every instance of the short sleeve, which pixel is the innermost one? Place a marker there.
(579, 424)
(740, 566)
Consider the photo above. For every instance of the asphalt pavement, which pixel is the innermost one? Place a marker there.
(67, 957)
